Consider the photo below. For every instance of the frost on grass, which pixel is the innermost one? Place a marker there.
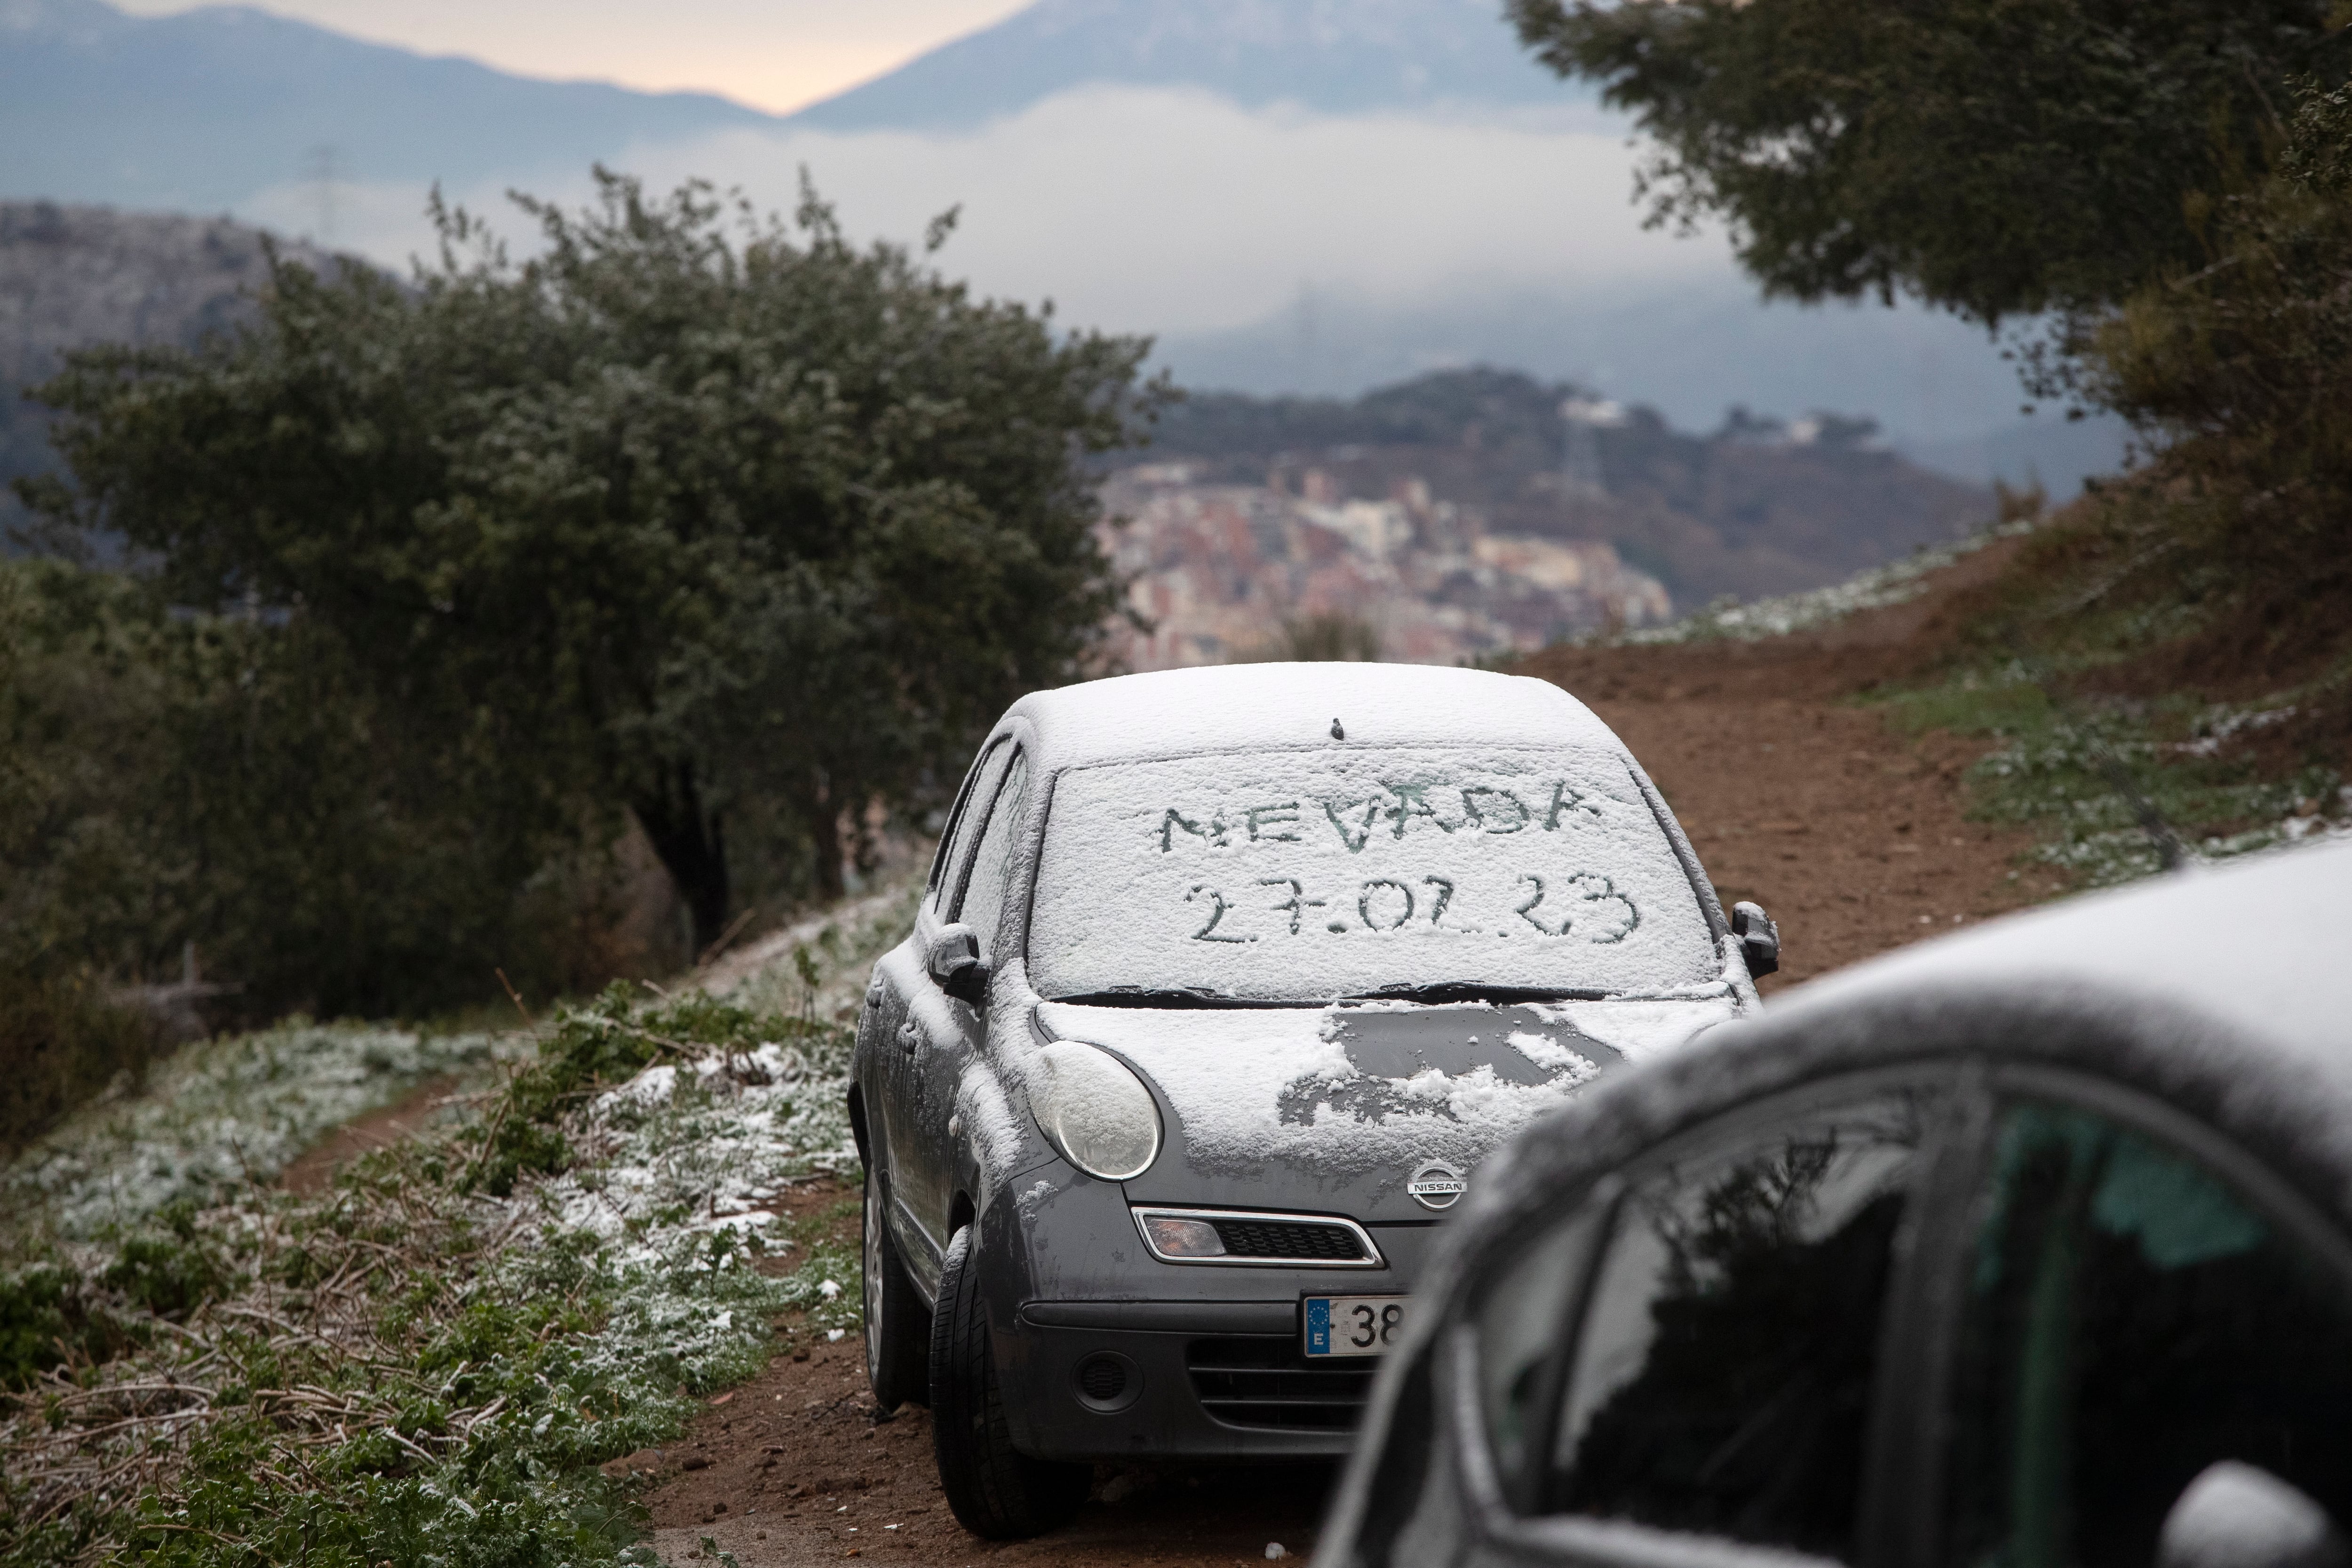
(2067, 774)
(429, 1361)
(221, 1115)
(817, 966)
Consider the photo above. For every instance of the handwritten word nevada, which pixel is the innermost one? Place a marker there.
(1483, 809)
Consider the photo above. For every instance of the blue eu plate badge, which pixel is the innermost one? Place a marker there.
(1351, 1325)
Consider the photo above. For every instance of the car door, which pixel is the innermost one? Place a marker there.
(950, 1033)
(2137, 1302)
(905, 994)
(1695, 1360)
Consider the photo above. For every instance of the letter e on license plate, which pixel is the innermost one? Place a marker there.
(1352, 1325)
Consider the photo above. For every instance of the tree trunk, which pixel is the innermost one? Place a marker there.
(825, 830)
(692, 845)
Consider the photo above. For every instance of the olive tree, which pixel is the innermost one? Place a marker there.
(689, 512)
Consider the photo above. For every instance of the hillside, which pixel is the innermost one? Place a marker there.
(73, 275)
(199, 111)
(1756, 508)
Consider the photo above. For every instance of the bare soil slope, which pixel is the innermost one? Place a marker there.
(1852, 836)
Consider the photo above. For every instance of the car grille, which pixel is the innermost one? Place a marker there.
(1254, 1381)
(1303, 1239)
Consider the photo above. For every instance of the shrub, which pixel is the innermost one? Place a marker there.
(2242, 369)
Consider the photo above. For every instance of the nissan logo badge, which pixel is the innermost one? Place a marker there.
(1437, 1185)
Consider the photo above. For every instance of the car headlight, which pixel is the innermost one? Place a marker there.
(1097, 1112)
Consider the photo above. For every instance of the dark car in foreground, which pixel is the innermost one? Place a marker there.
(1225, 981)
(2031, 1246)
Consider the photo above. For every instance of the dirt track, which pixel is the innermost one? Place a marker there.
(1852, 837)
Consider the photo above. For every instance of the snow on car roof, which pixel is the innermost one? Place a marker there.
(1255, 707)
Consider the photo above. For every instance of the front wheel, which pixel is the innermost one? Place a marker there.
(996, 1490)
(897, 1337)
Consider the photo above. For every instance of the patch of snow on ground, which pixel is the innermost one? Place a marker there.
(226, 1113)
(1880, 586)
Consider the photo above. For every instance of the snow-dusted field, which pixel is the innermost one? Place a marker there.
(224, 1115)
(434, 1356)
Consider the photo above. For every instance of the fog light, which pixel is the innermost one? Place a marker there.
(1103, 1378)
(1182, 1238)
(1106, 1383)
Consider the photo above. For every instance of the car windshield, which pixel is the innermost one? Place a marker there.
(1299, 875)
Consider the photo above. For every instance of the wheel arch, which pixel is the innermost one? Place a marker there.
(857, 1124)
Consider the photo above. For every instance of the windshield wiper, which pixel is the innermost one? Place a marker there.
(1141, 996)
(1467, 991)
(1437, 995)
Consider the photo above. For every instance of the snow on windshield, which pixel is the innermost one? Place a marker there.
(1295, 875)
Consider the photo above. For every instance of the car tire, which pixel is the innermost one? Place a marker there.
(898, 1328)
(997, 1492)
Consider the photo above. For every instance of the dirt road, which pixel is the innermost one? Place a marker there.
(1851, 835)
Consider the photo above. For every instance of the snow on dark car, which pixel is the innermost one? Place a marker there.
(2032, 1244)
(1225, 982)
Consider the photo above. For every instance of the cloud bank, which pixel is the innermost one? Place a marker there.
(1272, 250)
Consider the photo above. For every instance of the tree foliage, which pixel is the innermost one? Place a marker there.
(1998, 158)
(705, 515)
(2243, 365)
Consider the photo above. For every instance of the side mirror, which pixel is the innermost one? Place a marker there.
(955, 963)
(1760, 938)
(2236, 1516)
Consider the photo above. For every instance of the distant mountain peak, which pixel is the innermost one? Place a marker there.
(1329, 56)
(200, 110)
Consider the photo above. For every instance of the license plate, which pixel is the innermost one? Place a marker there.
(1352, 1325)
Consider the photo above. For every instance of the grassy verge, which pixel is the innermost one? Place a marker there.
(428, 1361)
(2152, 694)
(2103, 785)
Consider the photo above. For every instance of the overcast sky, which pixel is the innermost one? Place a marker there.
(771, 54)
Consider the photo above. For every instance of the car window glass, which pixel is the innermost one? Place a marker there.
(1722, 1374)
(1526, 1311)
(2130, 1320)
(991, 863)
(957, 847)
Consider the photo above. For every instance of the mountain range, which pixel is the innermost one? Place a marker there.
(199, 111)
(1291, 196)
(1330, 57)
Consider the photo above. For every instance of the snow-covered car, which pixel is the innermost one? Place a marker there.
(1224, 983)
(2029, 1246)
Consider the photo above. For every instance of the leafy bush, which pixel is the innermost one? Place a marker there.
(172, 1270)
(49, 1312)
(2243, 368)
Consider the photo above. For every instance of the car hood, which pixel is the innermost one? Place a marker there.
(1336, 1108)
